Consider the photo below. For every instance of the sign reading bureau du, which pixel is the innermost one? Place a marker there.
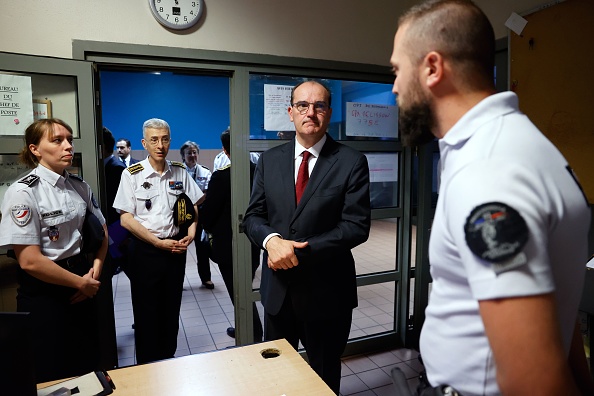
(16, 104)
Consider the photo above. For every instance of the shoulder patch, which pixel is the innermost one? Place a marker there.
(75, 177)
(21, 214)
(137, 167)
(176, 163)
(495, 232)
(29, 180)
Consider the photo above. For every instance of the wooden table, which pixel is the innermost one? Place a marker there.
(236, 371)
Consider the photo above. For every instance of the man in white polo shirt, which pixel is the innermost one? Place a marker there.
(508, 243)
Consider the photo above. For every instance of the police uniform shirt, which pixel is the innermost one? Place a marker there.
(511, 221)
(221, 160)
(201, 175)
(151, 196)
(48, 210)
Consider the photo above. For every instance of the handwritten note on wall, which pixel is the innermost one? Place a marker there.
(371, 120)
(16, 104)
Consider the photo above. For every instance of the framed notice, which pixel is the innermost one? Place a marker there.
(42, 109)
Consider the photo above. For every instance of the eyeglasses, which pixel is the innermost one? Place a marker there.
(164, 140)
(303, 107)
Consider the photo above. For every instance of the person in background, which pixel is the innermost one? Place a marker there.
(124, 148)
(43, 216)
(508, 242)
(113, 172)
(190, 152)
(216, 217)
(221, 160)
(308, 208)
(157, 201)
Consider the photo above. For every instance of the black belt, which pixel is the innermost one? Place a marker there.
(72, 262)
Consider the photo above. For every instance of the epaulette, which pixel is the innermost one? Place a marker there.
(225, 167)
(175, 163)
(29, 179)
(137, 167)
(205, 167)
(76, 177)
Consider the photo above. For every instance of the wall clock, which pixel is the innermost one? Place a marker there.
(177, 14)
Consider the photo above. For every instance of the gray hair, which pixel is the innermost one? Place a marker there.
(155, 123)
(187, 144)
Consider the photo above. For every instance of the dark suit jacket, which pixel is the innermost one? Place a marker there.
(333, 216)
(113, 172)
(133, 161)
(215, 213)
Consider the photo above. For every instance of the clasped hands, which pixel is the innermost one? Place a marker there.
(281, 253)
(173, 246)
(88, 288)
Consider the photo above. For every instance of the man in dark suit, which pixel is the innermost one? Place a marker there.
(113, 172)
(215, 213)
(308, 283)
(124, 148)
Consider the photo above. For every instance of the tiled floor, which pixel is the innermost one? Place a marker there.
(205, 315)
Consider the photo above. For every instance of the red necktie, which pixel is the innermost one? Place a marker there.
(302, 176)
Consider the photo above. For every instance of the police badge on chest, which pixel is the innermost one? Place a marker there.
(53, 233)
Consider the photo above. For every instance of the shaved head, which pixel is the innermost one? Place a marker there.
(459, 31)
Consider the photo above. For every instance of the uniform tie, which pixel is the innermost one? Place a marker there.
(302, 176)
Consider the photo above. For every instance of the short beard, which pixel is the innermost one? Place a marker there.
(415, 125)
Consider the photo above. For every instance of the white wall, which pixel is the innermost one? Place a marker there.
(342, 30)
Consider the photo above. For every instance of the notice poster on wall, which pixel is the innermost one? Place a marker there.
(383, 167)
(16, 104)
(371, 120)
(277, 99)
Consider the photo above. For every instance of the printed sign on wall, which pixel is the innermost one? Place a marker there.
(277, 100)
(16, 104)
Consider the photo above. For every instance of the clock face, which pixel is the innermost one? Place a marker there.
(177, 14)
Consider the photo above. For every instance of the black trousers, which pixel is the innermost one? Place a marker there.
(226, 268)
(156, 283)
(65, 339)
(202, 256)
(324, 339)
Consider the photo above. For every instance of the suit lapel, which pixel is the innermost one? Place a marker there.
(286, 167)
(324, 163)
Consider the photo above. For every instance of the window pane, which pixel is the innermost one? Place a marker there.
(375, 313)
(360, 110)
(53, 96)
(383, 177)
(378, 253)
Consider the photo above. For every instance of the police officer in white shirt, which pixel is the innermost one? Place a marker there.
(190, 152)
(157, 203)
(508, 242)
(43, 216)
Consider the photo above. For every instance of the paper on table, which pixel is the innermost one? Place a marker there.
(88, 385)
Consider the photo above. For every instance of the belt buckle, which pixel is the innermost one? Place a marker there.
(72, 261)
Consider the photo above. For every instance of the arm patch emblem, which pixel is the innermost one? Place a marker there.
(495, 232)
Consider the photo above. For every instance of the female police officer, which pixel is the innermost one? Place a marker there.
(42, 222)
